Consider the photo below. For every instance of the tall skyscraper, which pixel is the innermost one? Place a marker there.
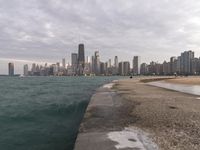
(81, 59)
(26, 70)
(33, 69)
(186, 62)
(109, 63)
(63, 63)
(97, 62)
(93, 65)
(173, 64)
(11, 69)
(136, 65)
(116, 64)
(126, 68)
(121, 69)
(74, 62)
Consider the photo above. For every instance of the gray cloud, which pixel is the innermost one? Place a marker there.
(47, 30)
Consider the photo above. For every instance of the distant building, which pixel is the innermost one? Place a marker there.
(103, 68)
(121, 68)
(93, 65)
(116, 66)
(186, 62)
(74, 63)
(109, 63)
(26, 70)
(81, 59)
(97, 63)
(63, 63)
(124, 68)
(136, 65)
(33, 69)
(144, 69)
(173, 64)
(11, 69)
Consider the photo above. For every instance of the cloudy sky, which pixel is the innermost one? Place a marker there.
(48, 30)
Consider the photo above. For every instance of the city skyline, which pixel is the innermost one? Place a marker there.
(184, 64)
(79, 65)
(50, 29)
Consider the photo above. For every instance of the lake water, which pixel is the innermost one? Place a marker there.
(43, 113)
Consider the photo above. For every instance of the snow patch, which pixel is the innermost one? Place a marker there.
(132, 138)
(109, 85)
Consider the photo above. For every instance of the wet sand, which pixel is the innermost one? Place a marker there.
(185, 80)
(173, 118)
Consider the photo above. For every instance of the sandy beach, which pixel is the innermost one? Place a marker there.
(185, 80)
(173, 118)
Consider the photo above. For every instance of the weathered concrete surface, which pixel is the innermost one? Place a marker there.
(104, 114)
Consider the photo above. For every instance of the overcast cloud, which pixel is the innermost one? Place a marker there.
(48, 30)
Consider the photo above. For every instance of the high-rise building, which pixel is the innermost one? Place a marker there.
(33, 69)
(116, 64)
(81, 59)
(144, 69)
(93, 65)
(74, 63)
(87, 59)
(11, 69)
(63, 63)
(173, 63)
(136, 65)
(124, 68)
(97, 62)
(103, 68)
(178, 66)
(109, 63)
(26, 70)
(121, 69)
(186, 62)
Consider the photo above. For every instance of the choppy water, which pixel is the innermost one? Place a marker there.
(43, 113)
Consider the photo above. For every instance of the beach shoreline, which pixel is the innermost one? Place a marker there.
(193, 80)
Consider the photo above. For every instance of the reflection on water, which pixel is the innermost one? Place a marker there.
(191, 89)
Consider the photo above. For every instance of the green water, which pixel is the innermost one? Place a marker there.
(43, 113)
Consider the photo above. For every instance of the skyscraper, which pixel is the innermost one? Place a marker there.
(186, 62)
(126, 68)
(136, 65)
(97, 62)
(63, 63)
(116, 64)
(81, 59)
(173, 63)
(115, 70)
(109, 63)
(121, 69)
(11, 69)
(26, 70)
(33, 69)
(74, 62)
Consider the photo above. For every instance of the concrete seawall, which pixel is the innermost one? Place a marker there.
(106, 124)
